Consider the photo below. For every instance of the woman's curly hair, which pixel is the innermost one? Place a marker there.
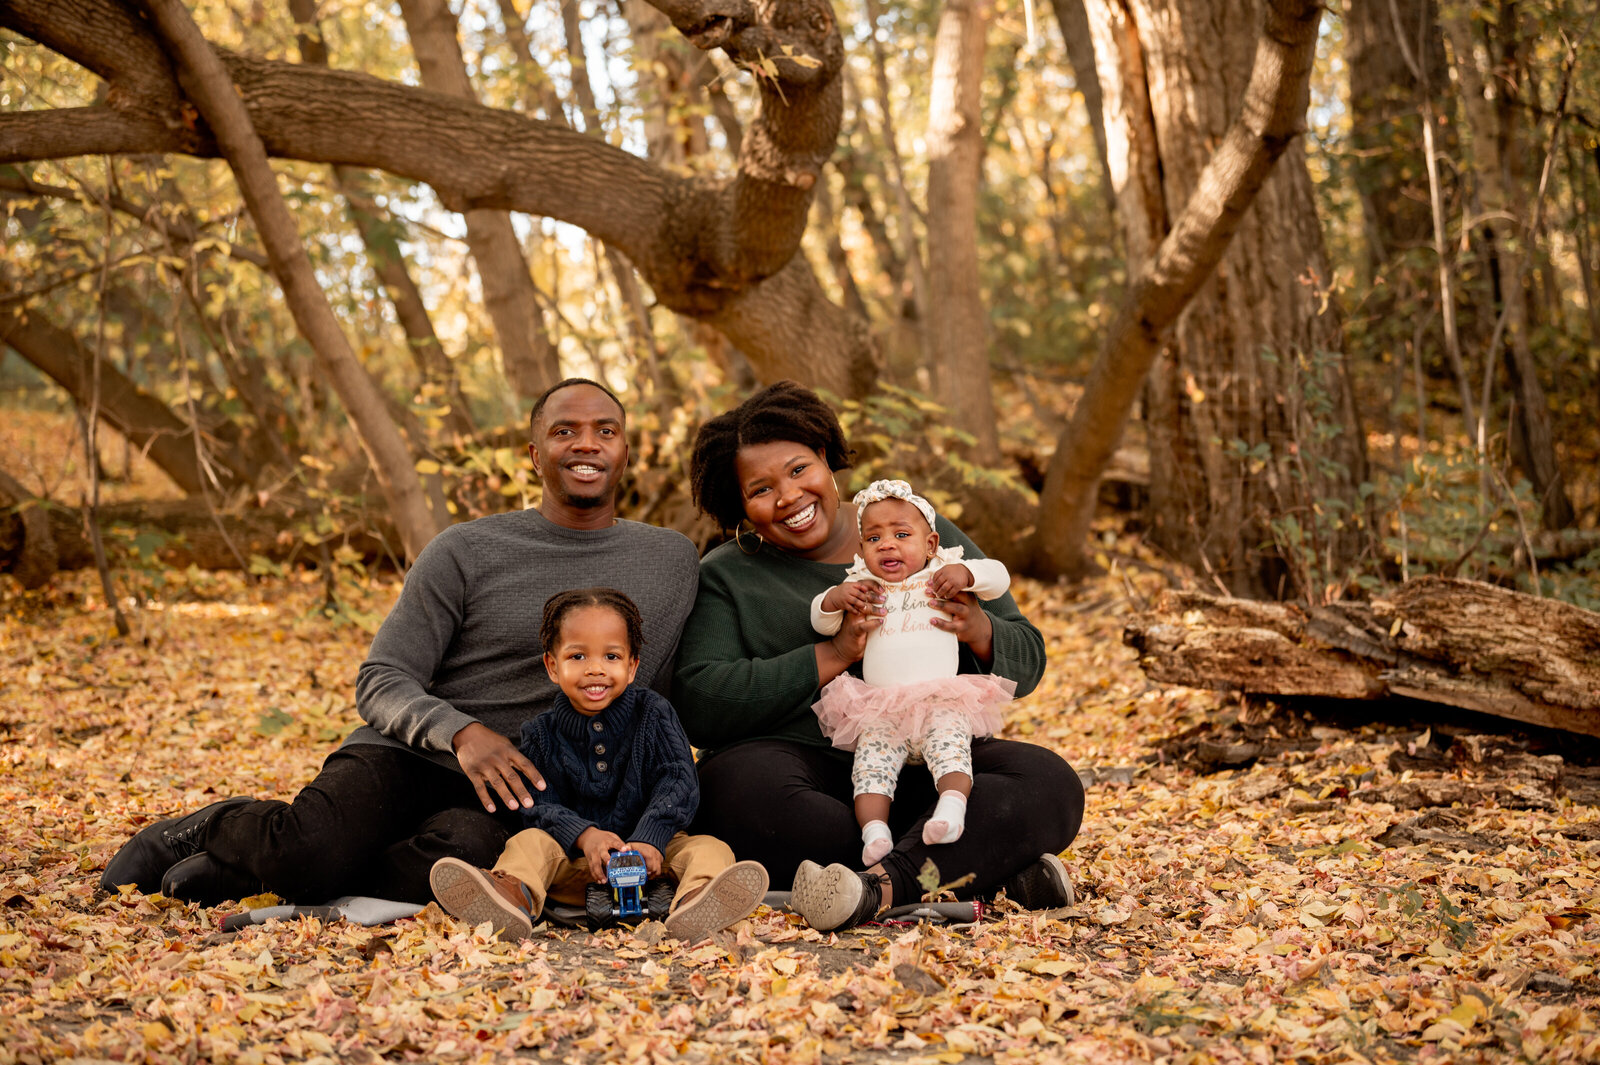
(783, 411)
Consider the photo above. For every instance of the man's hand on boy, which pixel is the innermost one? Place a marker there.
(948, 580)
(597, 845)
(491, 761)
(858, 597)
(652, 857)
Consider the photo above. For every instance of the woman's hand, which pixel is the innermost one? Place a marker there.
(850, 643)
(969, 622)
(847, 646)
(491, 761)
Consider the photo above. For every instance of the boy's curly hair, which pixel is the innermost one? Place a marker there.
(558, 606)
(783, 411)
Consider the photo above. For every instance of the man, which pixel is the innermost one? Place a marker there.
(451, 676)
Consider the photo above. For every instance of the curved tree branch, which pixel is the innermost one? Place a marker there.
(698, 242)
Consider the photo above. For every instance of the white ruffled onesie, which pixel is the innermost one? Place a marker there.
(913, 704)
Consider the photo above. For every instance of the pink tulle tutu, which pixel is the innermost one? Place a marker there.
(849, 706)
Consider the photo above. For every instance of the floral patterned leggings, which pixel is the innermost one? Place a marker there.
(946, 746)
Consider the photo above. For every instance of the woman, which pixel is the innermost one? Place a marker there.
(750, 666)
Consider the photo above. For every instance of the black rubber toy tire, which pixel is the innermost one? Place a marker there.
(597, 907)
(658, 898)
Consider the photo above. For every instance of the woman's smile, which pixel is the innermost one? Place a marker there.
(803, 519)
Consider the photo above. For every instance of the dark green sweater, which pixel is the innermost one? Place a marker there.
(746, 665)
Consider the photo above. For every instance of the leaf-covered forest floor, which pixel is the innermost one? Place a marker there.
(1257, 883)
(1259, 913)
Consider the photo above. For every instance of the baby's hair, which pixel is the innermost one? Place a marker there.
(861, 511)
(563, 603)
(782, 411)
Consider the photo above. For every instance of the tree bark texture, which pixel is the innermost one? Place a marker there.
(207, 86)
(957, 333)
(1495, 151)
(1439, 639)
(1257, 358)
(703, 244)
(508, 293)
(1249, 410)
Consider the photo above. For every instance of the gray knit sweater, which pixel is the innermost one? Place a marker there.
(462, 643)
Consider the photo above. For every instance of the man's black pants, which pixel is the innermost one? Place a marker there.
(373, 822)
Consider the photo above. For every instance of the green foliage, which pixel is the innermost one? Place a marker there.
(901, 433)
(1413, 905)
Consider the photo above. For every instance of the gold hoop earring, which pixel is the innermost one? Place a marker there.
(738, 538)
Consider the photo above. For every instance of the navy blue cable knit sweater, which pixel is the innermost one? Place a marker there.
(627, 769)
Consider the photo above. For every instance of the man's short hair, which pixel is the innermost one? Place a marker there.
(538, 404)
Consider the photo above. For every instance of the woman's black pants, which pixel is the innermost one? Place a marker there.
(779, 802)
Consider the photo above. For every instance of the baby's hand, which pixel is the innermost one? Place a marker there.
(858, 597)
(948, 580)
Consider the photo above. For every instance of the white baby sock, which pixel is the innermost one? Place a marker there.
(949, 818)
(878, 842)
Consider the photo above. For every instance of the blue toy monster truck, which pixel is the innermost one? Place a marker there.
(627, 897)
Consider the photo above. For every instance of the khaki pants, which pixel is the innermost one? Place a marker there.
(535, 858)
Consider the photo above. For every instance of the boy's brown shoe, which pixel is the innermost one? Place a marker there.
(730, 897)
(477, 895)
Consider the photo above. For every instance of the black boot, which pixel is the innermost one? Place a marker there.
(201, 878)
(145, 858)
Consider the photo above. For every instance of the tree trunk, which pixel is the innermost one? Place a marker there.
(379, 233)
(957, 334)
(669, 97)
(144, 420)
(1494, 144)
(27, 547)
(1241, 444)
(1578, 185)
(894, 176)
(1441, 639)
(508, 293)
(539, 96)
(827, 215)
(208, 87)
(1386, 100)
(1072, 19)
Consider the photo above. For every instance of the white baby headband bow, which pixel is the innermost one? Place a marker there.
(878, 491)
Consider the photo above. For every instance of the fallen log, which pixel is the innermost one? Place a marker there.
(176, 533)
(1442, 640)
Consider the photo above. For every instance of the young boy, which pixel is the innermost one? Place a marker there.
(618, 774)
